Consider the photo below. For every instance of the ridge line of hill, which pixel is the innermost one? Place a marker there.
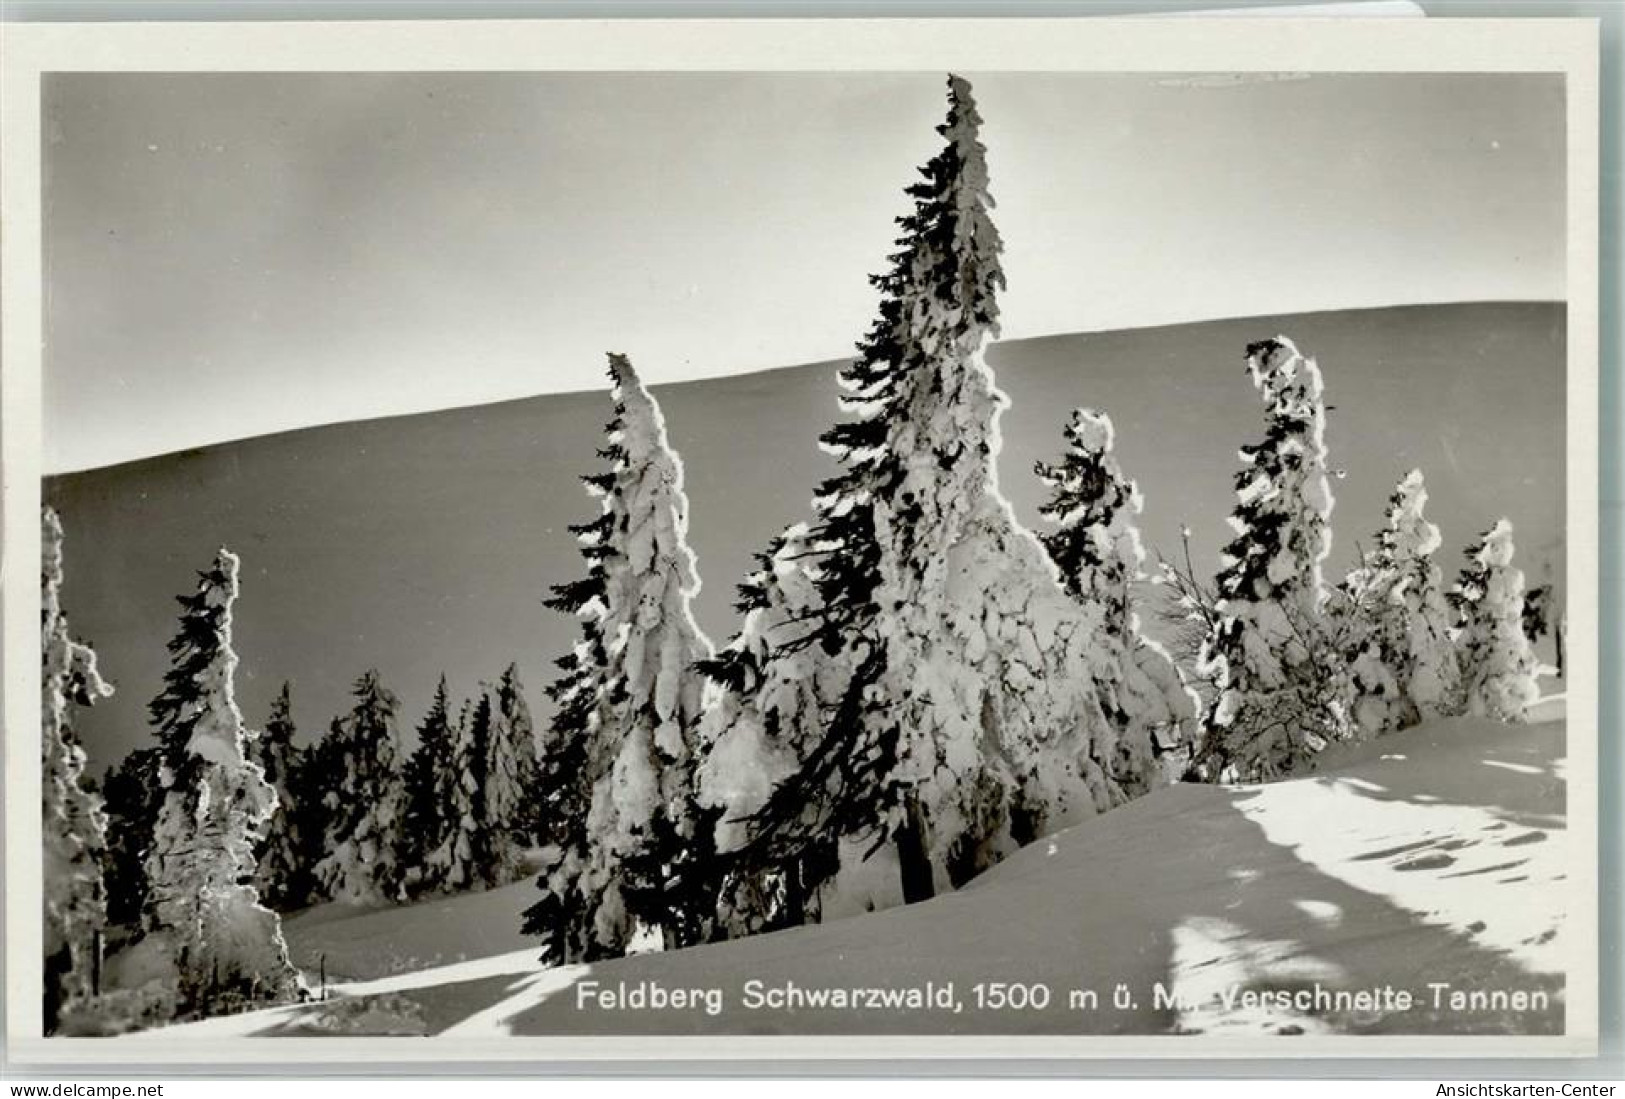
(743, 375)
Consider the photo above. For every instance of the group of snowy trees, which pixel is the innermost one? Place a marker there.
(197, 841)
(1291, 664)
(917, 683)
(208, 944)
(355, 819)
(468, 793)
(368, 824)
(920, 683)
(915, 673)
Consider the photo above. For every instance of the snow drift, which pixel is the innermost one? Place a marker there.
(1445, 869)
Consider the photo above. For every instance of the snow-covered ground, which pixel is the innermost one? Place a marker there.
(364, 944)
(1421, 863)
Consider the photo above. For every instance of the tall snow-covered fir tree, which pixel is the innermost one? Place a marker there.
(1096, 546)
(226, 947)
(1281, 690)
(427, 780)
(910, 676)
(629, 702)
(1403, 663)
(72, 821)
(283, 876)
(365, 804)
(1498, 666)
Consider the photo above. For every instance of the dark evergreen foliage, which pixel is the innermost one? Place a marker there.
(562, 791)
(284, 878)
(132, 794)
(1086, 495)
(737, 669)
(1537, 612)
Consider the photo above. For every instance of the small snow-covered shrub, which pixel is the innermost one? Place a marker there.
(1396, 621)
(1498, 665)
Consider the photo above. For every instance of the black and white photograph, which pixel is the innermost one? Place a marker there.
(969, 549)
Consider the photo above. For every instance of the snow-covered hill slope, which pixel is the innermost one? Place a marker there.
(422, 545)
(1427, 863)
(363, 944)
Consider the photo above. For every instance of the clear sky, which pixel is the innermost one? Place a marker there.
(230, 255)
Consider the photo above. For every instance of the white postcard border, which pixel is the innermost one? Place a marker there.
(970, 45)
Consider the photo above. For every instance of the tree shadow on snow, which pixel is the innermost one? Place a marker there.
(1226, 912)
(1515, 772)
(1200, 893)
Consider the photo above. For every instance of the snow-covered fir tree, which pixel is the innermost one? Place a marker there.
(1281, 690)
(73, 823)
(1403, 662)
(225, 946)
(1096, 546)
(366, 802)
(762, 710)
(464, 855)
(1095, 543)
(283, 876)
(629, 703)
(429, 780)
(910, 676)
(1498, 666)
(510, 778)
